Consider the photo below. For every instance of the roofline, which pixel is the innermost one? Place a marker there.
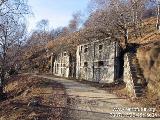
(94, 41)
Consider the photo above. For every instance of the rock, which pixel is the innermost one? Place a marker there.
(15, 108)
(33, 103)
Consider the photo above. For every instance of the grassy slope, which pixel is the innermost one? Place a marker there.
(149, 32)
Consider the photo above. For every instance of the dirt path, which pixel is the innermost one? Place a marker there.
(89, 103)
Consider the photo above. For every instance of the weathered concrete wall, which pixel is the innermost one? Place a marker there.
(61, 65)
(96, 61)
(127, 76)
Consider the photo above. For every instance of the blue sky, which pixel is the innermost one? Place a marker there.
(58, 12)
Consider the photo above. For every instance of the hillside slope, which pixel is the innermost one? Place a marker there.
(32, 98)
(149, 59)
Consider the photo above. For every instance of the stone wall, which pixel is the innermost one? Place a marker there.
(61, 64)
(97, 61)
(127, 76)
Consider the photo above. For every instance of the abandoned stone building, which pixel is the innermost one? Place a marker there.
(102, 61)
(62, 65)
(98, 61)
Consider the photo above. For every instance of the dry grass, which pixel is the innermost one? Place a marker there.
(148, 32)
(22, 90)
(149, 59)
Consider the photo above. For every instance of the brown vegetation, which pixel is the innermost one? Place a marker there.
(33, 98)
(122, 21)
(71, 41)
(149, 59)
(150, 34)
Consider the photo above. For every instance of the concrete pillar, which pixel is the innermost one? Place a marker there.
(51, 63)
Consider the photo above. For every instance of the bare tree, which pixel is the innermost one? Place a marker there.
(55, 33)
(16, 7)
(12, 29)
(2, 1)
(75, 22)
(60, 31)
(114, 18)
(118, 17)
(137, 11)
(158, 15)
(157, 2)
(40, 36)
(43, 25)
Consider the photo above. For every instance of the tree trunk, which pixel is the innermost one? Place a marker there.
(2, 86)
(3, 70)
(52, 64)
(1, 91)
(158, 17)
(126, 37)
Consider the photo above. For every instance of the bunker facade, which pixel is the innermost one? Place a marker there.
(97, 61)
(63, 65)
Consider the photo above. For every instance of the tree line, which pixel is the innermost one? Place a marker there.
(120, 18)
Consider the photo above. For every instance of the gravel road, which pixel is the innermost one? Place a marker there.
(90, 103)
